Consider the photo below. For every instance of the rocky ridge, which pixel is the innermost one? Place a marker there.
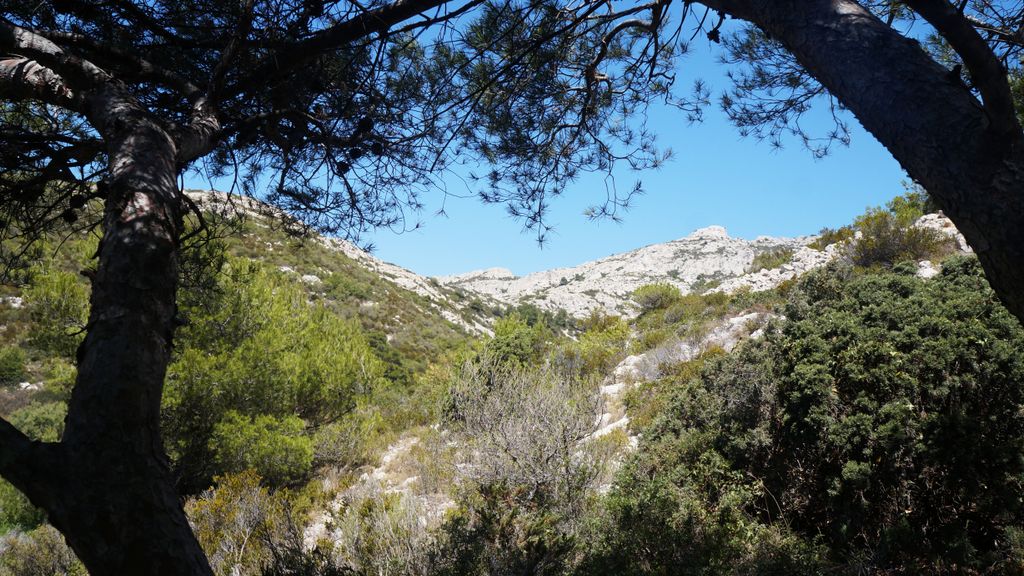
(452, 309)
(708, 259)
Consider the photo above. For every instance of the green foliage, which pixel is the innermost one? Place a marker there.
(41, 552)
(656, 296)
(888, 235)
(412, 325)
(43, 421)
(687, 316)
(555, 321)
(889, 239)
(233, 523)
(879, 430)
(58, 304)
(771, 259)
(516, 341)
(829, 236)
(16, 512)
(255, 346)
(277, 449)
(12, 365)
(648, 400)
(598, 349)
(244, 528)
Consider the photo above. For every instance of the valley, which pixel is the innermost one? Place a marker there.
(330, 410)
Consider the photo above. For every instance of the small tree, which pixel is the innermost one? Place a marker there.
(530, 472)
(652, 297)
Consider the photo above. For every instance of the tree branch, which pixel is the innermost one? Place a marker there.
(127, 64)
(216, 86)
(19, 456)
(76, 72)
(25, 79)
(296, 54)
(987, 73)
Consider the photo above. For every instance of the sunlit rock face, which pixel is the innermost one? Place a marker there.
(705, 260)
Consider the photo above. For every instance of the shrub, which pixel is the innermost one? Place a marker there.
(382, 533)
(43, 421)
(16, 512)
(276, 449)
(516, 341)
(829, 236)
(12, 366)
(57, 302)
(256, 346)
(878, 431)
(530, 474)
(656, 296)
(886, 240)
(598, 349)
(41, 552)
(234, 522)
(770, 259)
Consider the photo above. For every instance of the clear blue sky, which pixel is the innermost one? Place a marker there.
(715, 177)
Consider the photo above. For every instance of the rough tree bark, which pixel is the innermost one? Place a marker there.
(107, 486)
(967, 155)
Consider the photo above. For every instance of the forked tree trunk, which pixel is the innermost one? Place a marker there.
(107, 486)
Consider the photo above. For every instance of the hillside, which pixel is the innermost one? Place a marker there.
(695, 263)
(370, 281)
(329, 413)
(705, 261)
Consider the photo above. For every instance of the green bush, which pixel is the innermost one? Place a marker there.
(771, 259)
(598, 349)
(16, 512)
(829, 236)
(656, 296)
(276, 449)
(12, 366)
(41, 552)
(57, 302)
(887, 240)
(517, 341)
(256, 346)
(43, 421)
(888, 235)
(878, 431)
(235, 523)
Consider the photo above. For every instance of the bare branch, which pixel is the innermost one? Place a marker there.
(25, 79)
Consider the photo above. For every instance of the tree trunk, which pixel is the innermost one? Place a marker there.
(109, 488)
(972, 165)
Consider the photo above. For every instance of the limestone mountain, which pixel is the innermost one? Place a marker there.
(708, 259)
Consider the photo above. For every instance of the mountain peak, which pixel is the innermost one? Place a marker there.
(709, 232)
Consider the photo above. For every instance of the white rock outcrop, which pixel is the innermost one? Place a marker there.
(706, 259)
